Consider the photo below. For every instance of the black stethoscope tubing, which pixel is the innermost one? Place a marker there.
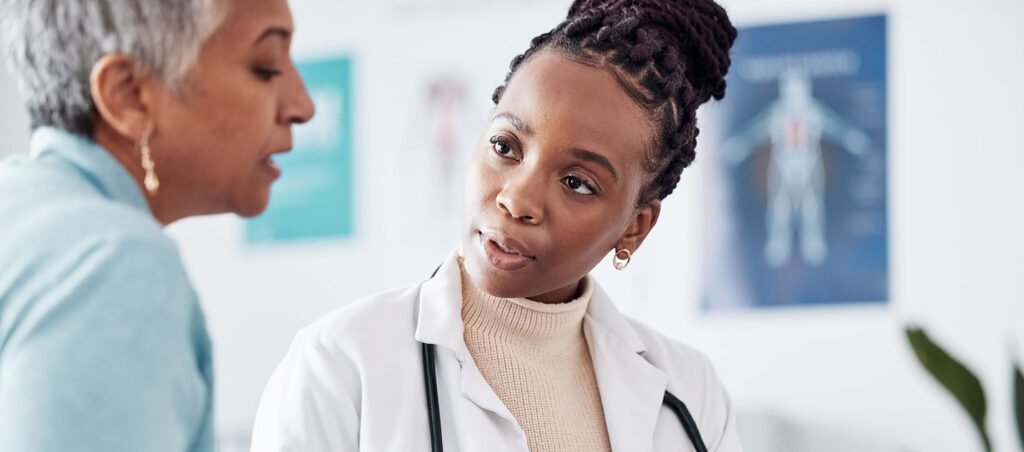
(434, 410)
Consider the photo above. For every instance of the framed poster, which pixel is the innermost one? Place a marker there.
(797, 211)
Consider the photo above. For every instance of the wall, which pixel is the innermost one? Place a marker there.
(13, 117)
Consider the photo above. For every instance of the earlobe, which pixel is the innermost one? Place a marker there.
(118, 92)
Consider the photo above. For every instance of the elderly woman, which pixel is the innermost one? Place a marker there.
(144, 112)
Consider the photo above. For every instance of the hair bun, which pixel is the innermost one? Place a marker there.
(700, 27)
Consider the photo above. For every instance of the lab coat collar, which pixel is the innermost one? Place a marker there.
(602, 315)
(632, 389)
(439, 320)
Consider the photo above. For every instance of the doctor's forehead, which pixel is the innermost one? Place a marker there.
(579, 106)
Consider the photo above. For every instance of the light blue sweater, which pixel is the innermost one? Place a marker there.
(103, 345)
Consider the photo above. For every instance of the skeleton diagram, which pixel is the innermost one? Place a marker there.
(795, 125)
(439, 138)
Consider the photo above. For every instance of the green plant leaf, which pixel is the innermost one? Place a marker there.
(954, 376)
(1018, 399)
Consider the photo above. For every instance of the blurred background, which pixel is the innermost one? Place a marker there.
(907, 116)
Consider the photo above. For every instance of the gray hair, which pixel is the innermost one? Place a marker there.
(52, 46)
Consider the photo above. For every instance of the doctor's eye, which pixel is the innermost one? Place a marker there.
(579, 185)
(502, 146)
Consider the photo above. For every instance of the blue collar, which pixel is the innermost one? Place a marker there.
(93, 162)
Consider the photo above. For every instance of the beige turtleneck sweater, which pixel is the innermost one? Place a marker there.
(535, 357)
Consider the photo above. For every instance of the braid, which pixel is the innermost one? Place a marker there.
(671, 56)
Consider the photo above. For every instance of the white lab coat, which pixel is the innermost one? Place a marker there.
(354, 381)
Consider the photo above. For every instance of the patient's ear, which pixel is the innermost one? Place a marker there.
(123, 95)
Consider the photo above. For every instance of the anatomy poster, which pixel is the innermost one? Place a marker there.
(796, 212)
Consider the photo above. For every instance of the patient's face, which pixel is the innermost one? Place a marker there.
(214, 146)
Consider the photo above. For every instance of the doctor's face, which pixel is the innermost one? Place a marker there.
(554, 181)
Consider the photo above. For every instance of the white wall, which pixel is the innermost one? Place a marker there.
(13, 117)
(956, 206)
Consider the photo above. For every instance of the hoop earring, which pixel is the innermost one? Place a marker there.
(151, 182)
(620, 263)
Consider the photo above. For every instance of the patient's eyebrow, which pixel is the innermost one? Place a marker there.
(281, 32)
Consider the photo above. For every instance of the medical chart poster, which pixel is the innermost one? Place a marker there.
(797, 211)
(313, 199)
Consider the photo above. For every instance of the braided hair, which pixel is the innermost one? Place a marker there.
(670, 56)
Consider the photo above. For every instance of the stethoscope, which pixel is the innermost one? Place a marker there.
(434, 411)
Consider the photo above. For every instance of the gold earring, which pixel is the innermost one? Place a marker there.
(621, 262)
(151, 182)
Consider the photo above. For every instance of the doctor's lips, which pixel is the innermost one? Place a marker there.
(504, 252)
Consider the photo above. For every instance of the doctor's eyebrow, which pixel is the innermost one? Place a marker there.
(598, 159)
(582, 154)
(516, 122)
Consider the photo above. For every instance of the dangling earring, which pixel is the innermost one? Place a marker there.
(151, 182)
(620, 262)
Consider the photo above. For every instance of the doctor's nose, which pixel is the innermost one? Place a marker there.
(522, 198)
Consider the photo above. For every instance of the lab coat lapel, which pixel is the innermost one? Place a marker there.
(440, 323)
(439, 319)
(477, 390)
(632, 389)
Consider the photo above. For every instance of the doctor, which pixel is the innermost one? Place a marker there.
(524, 351)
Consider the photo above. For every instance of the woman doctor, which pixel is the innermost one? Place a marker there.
(590, 132)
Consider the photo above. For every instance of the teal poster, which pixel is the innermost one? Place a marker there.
(314, 199)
